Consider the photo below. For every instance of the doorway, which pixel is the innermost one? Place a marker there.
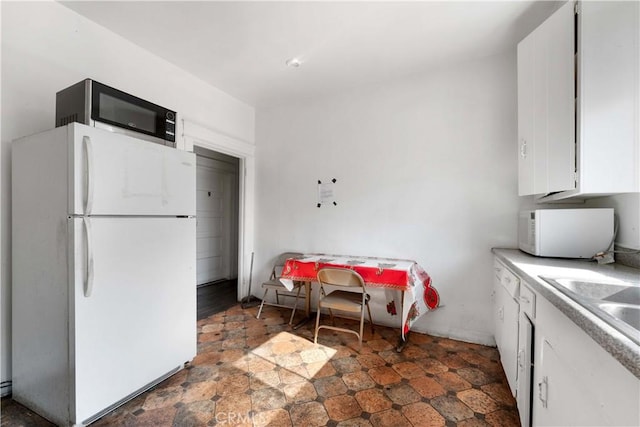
(217, 204)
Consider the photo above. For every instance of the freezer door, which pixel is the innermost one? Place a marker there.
(133, 308)
(114, 174)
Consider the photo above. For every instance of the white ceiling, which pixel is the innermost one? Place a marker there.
(241, 47)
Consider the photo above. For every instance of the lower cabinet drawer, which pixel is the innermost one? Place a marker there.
(527, 301)
(511, 282)
(498, 268)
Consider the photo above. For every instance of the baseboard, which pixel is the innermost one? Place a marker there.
(473, 337)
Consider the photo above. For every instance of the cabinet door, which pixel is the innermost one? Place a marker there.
(577, 382)
(560, 397)
(560, 103)
(546, 106)
(509, 344)
(498, 311)
(525, 349)
(541, 135)
(609, 75)
(525, 116)
(496, 300)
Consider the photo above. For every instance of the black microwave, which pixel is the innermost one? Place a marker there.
(95, 104)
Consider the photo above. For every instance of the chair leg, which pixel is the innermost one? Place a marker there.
(361, 325)
(370, 319)
(295, 305)
(277, 298)
(262, 303)
(315, 338)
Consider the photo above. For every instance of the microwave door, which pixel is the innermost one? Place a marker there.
(117, 111)
(115, 108)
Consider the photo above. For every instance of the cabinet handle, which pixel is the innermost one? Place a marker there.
(520, 356)
(543, 390)
(524, 300)
(507, 279)
(523, 149)
(501, 313)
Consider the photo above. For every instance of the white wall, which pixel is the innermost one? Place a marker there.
(627, 208)
(47, 47)
(425, 169)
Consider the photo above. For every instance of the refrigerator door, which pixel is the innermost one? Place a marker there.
(114, 174)
(133, 306)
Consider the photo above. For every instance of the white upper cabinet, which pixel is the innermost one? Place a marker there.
(578, 102)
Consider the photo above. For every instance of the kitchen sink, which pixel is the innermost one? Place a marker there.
(630, 295)
(629, 314)
(587, 289)
(618, 304)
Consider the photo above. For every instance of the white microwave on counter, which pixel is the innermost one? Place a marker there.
(565, 233)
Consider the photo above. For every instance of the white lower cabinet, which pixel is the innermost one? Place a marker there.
(576, 382)
(558, 374)
(561, 397)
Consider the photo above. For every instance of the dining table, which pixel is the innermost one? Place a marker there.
(405, 282)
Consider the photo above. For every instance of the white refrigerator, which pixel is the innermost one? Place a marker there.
(104, 280)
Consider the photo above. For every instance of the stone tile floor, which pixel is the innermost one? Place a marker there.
(259, 372)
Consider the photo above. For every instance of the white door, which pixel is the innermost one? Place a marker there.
(136, 319)
(114, 174)
(216, 188)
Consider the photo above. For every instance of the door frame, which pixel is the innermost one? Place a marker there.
(203, 137)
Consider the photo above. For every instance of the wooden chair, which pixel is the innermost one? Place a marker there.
(353, 299)
(273, 284)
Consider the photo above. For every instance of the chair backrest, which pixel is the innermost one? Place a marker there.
(278, 265)
(341, 277)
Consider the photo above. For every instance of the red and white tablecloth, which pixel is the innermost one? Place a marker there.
(404, 280)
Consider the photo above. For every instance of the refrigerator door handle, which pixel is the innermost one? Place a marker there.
(89, 149)
(88, 287)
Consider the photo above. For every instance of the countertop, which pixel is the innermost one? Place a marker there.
(529, 267)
